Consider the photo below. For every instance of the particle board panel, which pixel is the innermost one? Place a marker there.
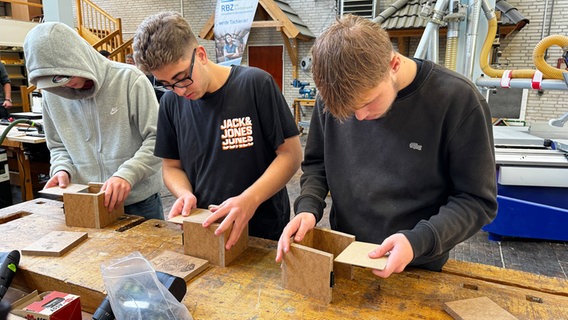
(333, 242)
(56, 193)
(357, 253)
(55, 243)
(202, 242)
(179, 265)
(481, 308)
(308, 271)
(197, 215)
(87, 209)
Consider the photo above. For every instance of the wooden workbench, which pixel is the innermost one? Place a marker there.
(251, 286)
(15, 142)
(297, 105)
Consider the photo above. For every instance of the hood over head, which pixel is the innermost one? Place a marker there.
(54, 53)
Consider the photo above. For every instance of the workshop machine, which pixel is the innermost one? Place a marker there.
(305, 91)
(532, 171)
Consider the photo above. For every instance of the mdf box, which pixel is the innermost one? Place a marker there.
(202, 242)
(85, 208)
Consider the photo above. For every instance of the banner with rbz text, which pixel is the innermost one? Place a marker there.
(233, 20)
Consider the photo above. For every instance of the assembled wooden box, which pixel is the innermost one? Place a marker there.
(86, 208)
(202, 242)
(309, 267)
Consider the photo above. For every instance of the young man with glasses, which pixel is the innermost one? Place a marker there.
(99, 117)
(226, 134)
(415, 170)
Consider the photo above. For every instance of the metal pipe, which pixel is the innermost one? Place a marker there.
(434, 45)
(385, 14)
(471, 39)
(522, 83)
(431, 29)
(544, 13)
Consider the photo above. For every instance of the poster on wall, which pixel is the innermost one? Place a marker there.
(233, 20)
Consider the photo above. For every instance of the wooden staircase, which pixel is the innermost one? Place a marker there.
(102, 30)
(96, 26)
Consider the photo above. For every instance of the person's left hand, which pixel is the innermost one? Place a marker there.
(400, 254)
(237, 212)
(116, 191)
(7, 104)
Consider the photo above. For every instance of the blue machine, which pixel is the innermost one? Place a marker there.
(532, 188)
(305, 93)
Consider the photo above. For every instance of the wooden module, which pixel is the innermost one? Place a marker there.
(357, 254)
(86, 208)
(56, 193)
(308, 267)
(179, 265)
(481, 308)
(55, 243)
(203, 243)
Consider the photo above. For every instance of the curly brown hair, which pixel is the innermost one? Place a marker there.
(162, 39)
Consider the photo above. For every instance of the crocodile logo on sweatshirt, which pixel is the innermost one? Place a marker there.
(415, 146)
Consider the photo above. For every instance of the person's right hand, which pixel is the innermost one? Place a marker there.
(297, 227)
(59, 179)
(183, 205)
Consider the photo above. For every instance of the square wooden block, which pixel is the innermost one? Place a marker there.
(203, 243)
(308, 267)
(86, 208)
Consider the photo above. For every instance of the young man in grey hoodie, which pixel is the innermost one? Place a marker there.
(100, 119)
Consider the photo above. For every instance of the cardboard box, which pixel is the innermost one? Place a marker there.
(51, 305)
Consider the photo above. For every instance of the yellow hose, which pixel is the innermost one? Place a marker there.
(484, 57)
(548, 72)
(539, 51)
(451, 53)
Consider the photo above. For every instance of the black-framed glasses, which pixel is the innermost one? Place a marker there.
(185, 82)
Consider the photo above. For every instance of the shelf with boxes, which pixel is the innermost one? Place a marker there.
(13, 60)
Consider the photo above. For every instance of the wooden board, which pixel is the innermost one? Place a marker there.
(179, 265)
(196, 215)
(333, 242)
(203, 243)
(308, 271)
(87, 209)
(57, 192)
(481, 308)
(357, 254)
(55, 243)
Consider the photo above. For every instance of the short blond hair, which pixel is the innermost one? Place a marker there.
(350, 57)
(161, 39)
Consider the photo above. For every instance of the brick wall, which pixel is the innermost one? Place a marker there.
(317, 14)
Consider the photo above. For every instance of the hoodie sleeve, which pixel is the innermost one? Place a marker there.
(143, 106)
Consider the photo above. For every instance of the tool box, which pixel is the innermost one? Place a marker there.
(51, 305)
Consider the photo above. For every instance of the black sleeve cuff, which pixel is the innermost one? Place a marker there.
(309, 203)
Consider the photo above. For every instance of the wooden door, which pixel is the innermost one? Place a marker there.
(268, 58)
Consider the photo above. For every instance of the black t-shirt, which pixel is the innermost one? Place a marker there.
(227, 139)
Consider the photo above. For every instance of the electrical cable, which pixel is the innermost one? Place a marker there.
(17, 121)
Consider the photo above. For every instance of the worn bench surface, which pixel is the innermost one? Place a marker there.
(251, 286)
